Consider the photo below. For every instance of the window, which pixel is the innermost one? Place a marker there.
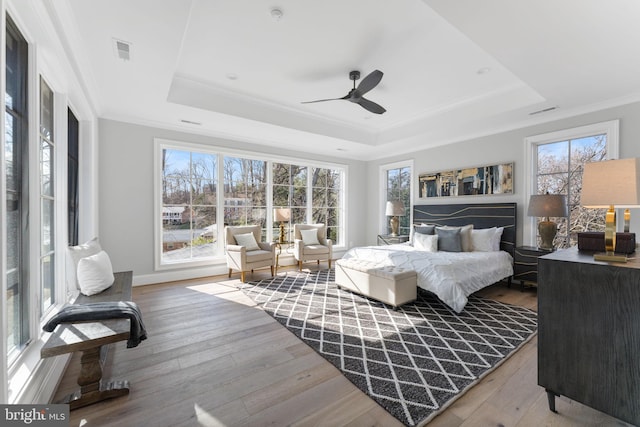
(17, 190)
(558, 160)
(189, 182)
(47, 198)
(245, 192)
(396, 182)
(202, 191)
(290, 191)
(326, 188)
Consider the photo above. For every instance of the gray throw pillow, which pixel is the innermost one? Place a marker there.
(425, 229)
(449, 239)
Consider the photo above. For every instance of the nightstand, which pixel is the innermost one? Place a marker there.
(525, 263)
(387, 239)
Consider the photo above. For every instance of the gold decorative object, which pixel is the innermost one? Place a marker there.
(281, 215)
(394, 209)
(610, 184)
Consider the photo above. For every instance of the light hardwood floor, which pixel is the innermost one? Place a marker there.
(214, 359)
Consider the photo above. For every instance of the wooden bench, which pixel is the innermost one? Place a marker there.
(389, 284)
(91, 338)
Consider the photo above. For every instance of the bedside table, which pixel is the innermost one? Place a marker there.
(387, 239)
(525, 263)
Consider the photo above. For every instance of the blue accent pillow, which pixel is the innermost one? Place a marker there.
(449, 240)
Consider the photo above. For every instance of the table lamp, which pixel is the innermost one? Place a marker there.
(281, 215)
(547, 205)
(394, 209)
(610, 184)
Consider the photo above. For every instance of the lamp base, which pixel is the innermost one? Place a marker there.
(394, 222)
(547, 230)
(612, 257)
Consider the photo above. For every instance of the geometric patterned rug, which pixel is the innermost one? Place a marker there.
(413, 361)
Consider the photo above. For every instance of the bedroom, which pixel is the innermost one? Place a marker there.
(121, 147)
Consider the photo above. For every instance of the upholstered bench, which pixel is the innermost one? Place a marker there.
(389, 284)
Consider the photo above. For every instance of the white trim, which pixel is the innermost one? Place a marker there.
(610, 128)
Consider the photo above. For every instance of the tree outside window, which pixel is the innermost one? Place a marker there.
(559, 171)
(202, 192)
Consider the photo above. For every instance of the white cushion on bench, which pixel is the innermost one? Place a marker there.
(95, 273)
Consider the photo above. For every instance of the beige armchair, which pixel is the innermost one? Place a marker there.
(306, 249)
(241, 256)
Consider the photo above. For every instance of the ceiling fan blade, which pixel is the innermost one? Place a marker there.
(370, 82)
(322, 100)
(371, 106)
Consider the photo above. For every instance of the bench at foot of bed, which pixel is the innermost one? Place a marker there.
(388, 284)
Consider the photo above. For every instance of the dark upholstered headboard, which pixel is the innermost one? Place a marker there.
(482, 215)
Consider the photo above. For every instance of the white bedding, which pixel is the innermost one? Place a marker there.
(452, 276)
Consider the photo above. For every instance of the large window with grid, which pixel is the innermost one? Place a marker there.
(201, 190)
(558, 160)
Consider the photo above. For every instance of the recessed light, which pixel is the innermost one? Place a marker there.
(483, 70)
(232, 76)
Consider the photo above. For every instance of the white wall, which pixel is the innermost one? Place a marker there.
(126, 211)
(500, 148)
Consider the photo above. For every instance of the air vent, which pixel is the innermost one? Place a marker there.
(544, 110)
(190, 122)
(122, 49)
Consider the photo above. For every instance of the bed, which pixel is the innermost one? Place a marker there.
(453, 276)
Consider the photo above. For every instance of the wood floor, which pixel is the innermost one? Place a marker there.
(214, 359)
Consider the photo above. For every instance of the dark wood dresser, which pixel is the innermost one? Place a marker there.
(589, 332)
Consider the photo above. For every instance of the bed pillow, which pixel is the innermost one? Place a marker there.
(310, 237)
(74, 255)
(247, 240)
(495, 243)
(424, 229)
(465, 236)
(95, 273)
(449, 240)
(425, 242)
(486, 239)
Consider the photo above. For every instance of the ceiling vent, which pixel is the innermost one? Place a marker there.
(122, 49)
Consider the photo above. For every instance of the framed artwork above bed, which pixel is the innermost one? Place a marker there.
(493, 179)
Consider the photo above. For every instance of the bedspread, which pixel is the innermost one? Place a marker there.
(451, 276)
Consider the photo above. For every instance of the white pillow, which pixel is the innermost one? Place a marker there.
(95, 273)
(248, 241)
(486, 239)
(495, 243)
(310, 237)
(74, 255)
(425, 242)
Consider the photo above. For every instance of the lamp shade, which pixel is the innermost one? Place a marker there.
(281, 214)
(548, 205)
(611, 183)
(394, 208)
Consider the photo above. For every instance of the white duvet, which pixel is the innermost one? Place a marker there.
(452, 276)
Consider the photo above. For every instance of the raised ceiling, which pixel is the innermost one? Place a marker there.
(452, 69)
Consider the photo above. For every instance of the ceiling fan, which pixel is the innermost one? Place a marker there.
(355, 95)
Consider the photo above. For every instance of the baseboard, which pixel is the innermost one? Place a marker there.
(199, 272)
